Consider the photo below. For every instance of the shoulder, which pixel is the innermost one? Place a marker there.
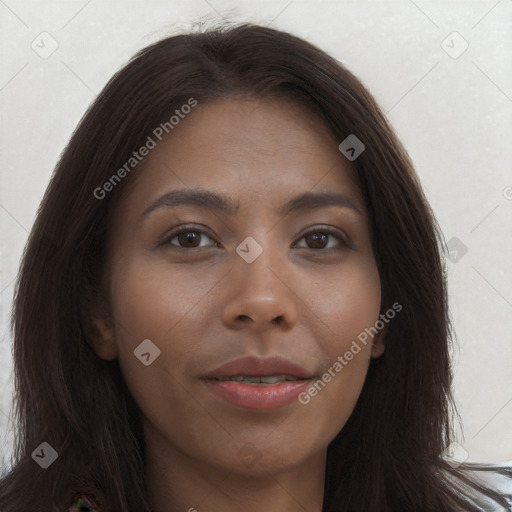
(500, 481)
(82, 502)
(497, 478)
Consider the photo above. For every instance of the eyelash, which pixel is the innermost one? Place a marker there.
(166, 240)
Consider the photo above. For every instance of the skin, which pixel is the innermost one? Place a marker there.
(205, 306)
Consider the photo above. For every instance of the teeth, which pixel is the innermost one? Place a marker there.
(273, 379)
(264, 379)
(243, 378)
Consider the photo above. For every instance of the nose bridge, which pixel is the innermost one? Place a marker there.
(259, 290)
(256, 265)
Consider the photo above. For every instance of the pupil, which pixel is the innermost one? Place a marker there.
(316, 238)
(188, 237)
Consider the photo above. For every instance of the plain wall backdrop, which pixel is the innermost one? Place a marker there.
(442, 71)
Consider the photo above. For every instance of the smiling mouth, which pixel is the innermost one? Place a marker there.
(263, 383)
(259, 379)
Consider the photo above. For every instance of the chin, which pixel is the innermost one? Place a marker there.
(263, 461)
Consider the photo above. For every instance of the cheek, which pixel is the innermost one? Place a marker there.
(150, 301)
(346, 301)
(349, 307)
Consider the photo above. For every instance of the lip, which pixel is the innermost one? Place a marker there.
(253, 365)
(258, 396)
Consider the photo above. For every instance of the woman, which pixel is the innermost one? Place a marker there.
(233, 295)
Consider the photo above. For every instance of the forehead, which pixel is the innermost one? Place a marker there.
(255, 151)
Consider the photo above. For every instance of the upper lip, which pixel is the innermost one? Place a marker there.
(259, 366)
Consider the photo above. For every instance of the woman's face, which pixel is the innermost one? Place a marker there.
(262, 281)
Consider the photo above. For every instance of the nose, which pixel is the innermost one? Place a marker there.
(260, 296)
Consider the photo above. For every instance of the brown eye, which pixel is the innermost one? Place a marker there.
(187, 239)
(319, 239)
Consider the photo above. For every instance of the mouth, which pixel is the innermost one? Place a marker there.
(259, 369)
(258, 383)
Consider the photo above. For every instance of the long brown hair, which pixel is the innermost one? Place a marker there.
(389, 454)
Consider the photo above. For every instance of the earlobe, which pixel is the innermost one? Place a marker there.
(378, 346)
(377, 350)
(102, 339)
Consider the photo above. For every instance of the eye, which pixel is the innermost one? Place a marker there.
(318, 238)
(187, 238)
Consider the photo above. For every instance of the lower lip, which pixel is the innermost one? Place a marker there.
(258, 396)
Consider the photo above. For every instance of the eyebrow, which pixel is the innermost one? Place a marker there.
(216, 201)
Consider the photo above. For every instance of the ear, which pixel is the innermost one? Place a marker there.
(378, 346)
(102, 337)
